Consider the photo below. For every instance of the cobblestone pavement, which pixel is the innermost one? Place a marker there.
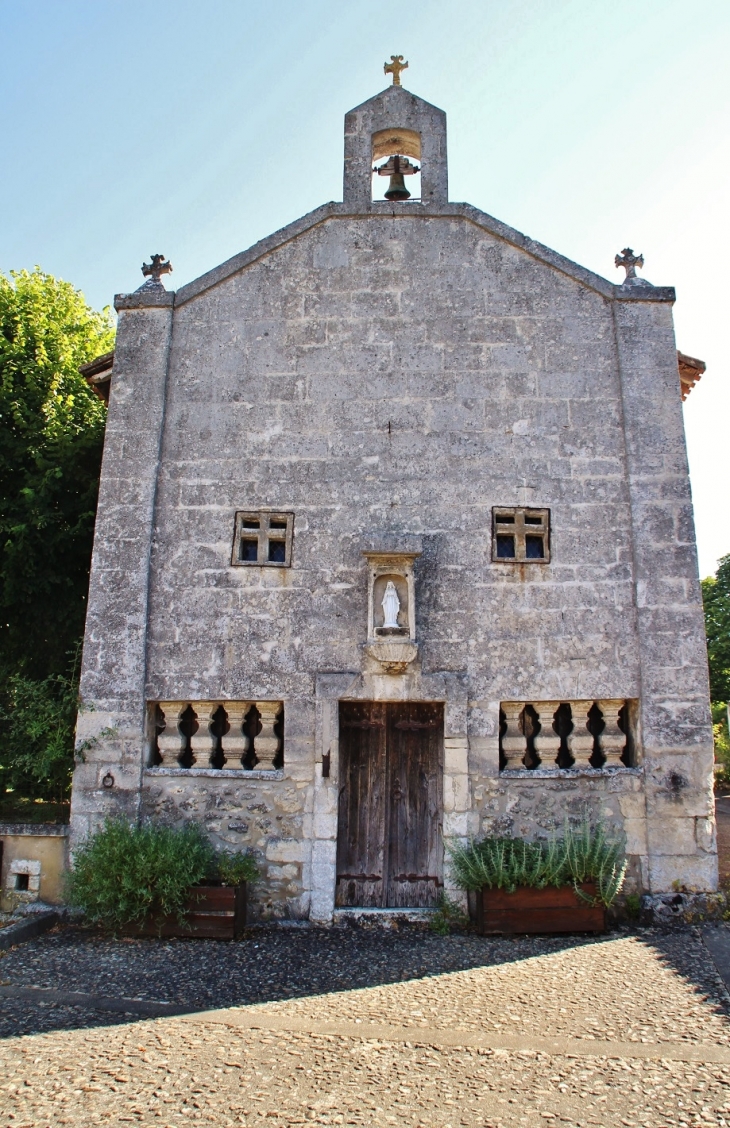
(631, 1029)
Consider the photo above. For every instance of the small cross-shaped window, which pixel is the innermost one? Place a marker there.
(263, 539)
(520, 535)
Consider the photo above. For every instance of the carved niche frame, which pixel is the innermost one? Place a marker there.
(394, 648)
(383, 566)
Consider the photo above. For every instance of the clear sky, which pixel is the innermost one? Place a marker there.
(197, 128)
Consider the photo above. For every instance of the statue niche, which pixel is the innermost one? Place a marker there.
(391, 610)
(390, 605)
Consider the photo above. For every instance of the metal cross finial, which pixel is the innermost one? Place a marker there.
(156, 268)
(394, 67)
(629, 261)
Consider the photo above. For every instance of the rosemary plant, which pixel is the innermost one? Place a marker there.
(581, 854)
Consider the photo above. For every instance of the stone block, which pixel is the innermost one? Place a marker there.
(673, 836)
(636, 836)
(300, 772)
(456, 756)
(456, 824)
(685, 802)
(321, 904)
(632, 806)
(706, 835)
(89, 725)
(456, 793)
(695, 873)
(324, 853)
(324, 824)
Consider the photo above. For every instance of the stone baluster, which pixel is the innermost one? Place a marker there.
(266, 744)
(203, 742)
(580, 741)
(171, 741)
(514, 743)
(612, 739)
(235, 743)
(547, 741)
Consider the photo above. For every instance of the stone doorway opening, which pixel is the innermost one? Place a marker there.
(389, 840)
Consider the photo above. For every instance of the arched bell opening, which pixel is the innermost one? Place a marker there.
(396, 157)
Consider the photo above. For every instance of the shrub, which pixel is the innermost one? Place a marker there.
(125, 873)
(632, 906)
(234, 869)
(581, 854)
(448, 915)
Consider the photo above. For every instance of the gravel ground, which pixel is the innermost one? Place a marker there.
(370, 1027)
(268, 965)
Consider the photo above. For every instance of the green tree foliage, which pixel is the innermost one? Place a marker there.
(716, 598)
(722, 741)
(51, 439)
(38, 719)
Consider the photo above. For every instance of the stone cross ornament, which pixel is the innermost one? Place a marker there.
(629, 261)
(154, 270)
(394, 67)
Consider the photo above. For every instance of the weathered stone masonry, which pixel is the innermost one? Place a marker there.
(389, 373)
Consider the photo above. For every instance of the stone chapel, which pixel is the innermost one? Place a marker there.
(395, 547)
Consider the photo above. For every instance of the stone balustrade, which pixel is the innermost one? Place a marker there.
(236, 735)
(565, 734)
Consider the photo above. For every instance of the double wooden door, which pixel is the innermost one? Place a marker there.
(389, 851)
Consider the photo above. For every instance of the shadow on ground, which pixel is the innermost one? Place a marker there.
(73, 978)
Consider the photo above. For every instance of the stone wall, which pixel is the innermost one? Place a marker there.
(400, 369)
(40, 851)
(536, 804)
(431, 373)
(270, 817)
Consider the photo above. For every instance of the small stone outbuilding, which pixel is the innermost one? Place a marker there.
(394, 547)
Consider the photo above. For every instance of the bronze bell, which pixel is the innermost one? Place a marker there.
(396, 168)
(397, 188)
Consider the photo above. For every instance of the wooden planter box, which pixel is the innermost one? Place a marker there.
(538, 910)
(213, 912)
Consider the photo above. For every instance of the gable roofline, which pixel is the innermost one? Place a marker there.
(467, 212)
(395, 94)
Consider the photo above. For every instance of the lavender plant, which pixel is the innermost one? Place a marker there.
(581, 854)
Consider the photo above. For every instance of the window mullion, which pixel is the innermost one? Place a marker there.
(264, 539)
(520, 545)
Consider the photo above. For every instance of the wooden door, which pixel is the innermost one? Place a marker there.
(389, 831)
(361, 810)
(414, 785)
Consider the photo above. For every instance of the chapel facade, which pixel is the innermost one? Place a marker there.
(395, 547)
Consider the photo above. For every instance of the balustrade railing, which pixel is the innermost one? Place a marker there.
(565, 734)
(237, 735)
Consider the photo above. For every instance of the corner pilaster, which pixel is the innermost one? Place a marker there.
(111, 722)
(675, 732)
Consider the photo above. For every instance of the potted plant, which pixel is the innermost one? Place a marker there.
(564, 884)
(154, 880)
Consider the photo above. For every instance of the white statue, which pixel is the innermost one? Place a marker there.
(391, 606)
